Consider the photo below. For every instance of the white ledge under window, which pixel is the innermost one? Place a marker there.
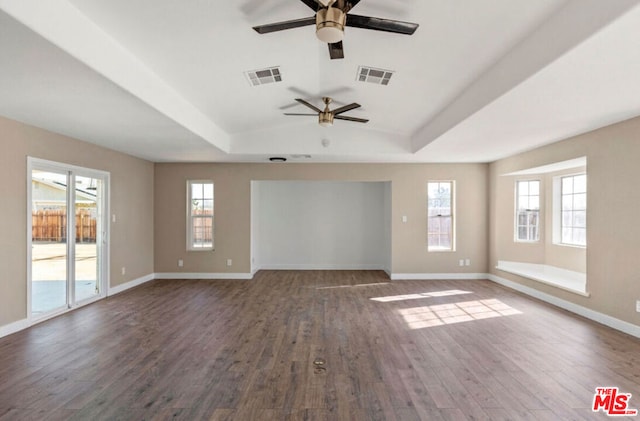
(567, 280)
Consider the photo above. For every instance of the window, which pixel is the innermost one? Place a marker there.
(528, 210)
(573, 210)
(200, 215)
(440, 228)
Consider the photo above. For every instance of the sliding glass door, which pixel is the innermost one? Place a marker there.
(49, 254)
(88, 223)
(67, 236)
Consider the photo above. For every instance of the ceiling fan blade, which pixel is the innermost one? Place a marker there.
(281, 26)
(379, 24)
(345, 108)
(344, 117)
(313, 107)
(336, 51)
(314, 115)
(313, 4)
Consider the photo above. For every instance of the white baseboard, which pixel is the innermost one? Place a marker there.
(435, 276)
(621, 325)
(192, 275)
(127, 285)
(295, 266)
(14, 327)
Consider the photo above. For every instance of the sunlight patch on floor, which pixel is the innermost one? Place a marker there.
(445, 314)
(446, 293)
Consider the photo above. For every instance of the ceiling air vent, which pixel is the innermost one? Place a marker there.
(264, 76)
(372, 75)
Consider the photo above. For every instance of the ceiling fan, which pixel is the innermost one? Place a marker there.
(331, 18)
(326, 116)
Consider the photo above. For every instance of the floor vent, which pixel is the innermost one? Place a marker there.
(373, 75)
(263, 76)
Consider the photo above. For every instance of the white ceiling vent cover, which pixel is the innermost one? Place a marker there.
(263, 76)
(373, 75)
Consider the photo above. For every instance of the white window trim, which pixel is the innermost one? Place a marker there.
(453, 218)
(557, 210)
(189, 224)
(540, 207)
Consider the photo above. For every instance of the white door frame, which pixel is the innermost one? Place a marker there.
(102, 240)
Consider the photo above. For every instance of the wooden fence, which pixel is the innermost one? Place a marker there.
(51, 225)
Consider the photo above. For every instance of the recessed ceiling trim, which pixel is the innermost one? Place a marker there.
(549, 168)
(562, 32)
(59, 22)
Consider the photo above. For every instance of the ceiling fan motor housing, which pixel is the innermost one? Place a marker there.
(325, 119)
(330, 24)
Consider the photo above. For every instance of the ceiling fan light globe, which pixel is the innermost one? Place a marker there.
(330, 25)
(329, 35)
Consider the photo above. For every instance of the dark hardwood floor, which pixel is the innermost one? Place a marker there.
(245, 350)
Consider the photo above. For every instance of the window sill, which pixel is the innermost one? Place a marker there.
(568, 280)
(575, 246)
(442, 250)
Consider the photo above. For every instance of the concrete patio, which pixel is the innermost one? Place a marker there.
(49, 274)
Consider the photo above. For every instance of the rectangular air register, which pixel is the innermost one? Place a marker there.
(264, 76)
(373, 75)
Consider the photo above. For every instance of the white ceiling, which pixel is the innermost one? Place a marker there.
(164, 80)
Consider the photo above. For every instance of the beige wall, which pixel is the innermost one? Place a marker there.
(613, 237)
(146, 241)
(131, 201)
(233, 212)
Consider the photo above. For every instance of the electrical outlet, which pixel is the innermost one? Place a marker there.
(461, 262)
(124, 270)
(113, 218)
(638, 306)
(229, 262)
(180, 263)
(467, 262)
